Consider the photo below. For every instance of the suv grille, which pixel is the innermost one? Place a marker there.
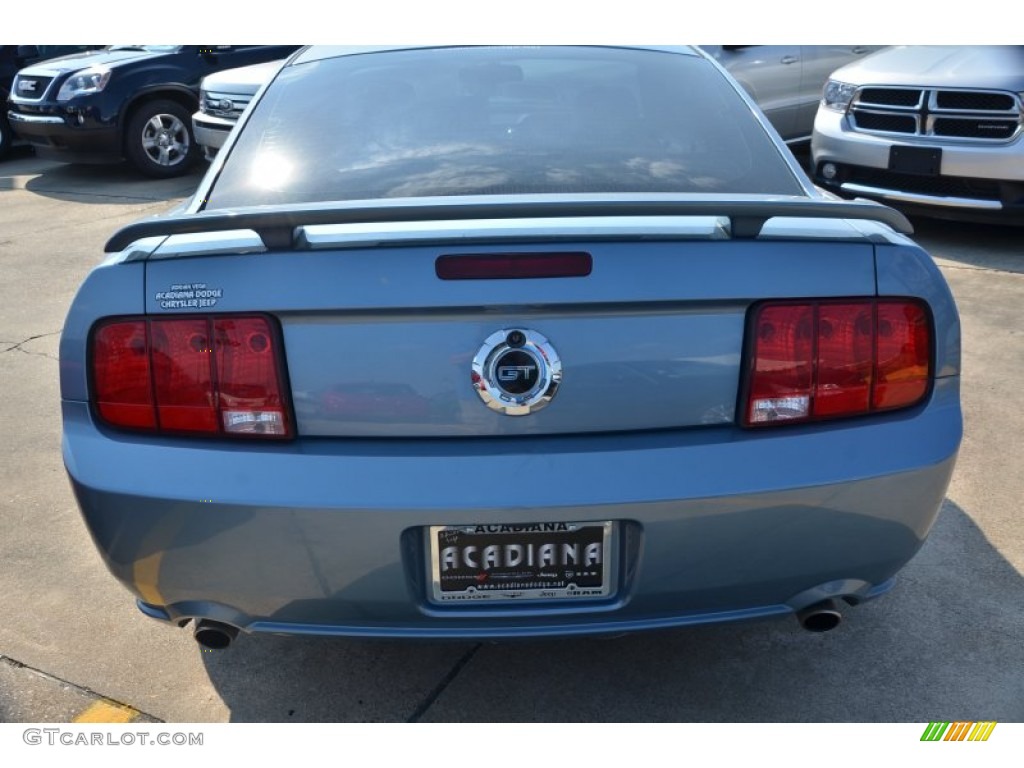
(967, 115)
(890, 97)
(228, 105)
(881, 121)
(975, 100)
(976, 128)
(31, 87)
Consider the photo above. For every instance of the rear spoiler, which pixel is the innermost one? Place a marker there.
(276, 226)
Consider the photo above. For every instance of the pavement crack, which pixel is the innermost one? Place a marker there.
(17, 345)
(435, 694)
(80, 688)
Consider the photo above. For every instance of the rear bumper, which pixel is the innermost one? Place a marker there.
(327, 536)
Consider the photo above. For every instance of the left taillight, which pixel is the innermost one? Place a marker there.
(827, 359)
(219, 375)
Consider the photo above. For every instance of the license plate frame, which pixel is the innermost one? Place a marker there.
(530, 580)
(921, 161)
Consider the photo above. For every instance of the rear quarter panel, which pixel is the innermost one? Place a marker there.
(907, 270)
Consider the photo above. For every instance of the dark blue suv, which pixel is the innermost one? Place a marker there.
(13, 58)
(126, 102)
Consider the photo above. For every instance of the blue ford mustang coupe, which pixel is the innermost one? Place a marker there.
(474, 342)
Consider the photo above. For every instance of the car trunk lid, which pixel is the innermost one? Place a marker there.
(378, 345)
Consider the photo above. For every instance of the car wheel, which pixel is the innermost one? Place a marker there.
(159, 139)
(6, 137)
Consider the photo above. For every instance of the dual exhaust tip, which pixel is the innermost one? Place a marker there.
(820, 617)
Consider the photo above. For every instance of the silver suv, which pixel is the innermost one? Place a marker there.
(936, 130)
(223, 96)
(786, 80)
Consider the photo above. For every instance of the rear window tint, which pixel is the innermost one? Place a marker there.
(495, 121)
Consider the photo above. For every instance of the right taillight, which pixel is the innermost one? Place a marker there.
(218, 375)
(834, 358)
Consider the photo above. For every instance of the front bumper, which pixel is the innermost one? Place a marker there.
(58, 135)
(327, 536)
(976, 180)
(211, 132)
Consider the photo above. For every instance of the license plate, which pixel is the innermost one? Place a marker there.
(522, 562)
(924, 161)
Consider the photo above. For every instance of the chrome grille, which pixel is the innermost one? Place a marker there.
(227, 105)
(975, 100)
(889, 123)
(974, 128)
(30, 87)
(975, 116)
(890, 97)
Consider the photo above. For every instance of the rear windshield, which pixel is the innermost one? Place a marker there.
(494, 121)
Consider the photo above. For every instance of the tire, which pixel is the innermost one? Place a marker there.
(159, 140)
(6, 137)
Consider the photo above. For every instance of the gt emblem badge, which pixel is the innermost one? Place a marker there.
(516, 371)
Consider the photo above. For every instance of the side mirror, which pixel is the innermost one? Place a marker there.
(26, 52)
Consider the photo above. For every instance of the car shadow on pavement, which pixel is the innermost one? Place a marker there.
(984, 246)
(944, 644)
(97, 184)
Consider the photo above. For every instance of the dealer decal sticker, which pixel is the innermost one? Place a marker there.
(189, 296)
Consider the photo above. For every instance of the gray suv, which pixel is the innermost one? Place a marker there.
(786, 80)
(936, 130)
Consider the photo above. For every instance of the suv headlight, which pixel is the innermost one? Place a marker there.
(837, 95)
(91, 80)
(203, 96)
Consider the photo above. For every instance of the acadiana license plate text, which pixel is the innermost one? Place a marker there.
(515, 562)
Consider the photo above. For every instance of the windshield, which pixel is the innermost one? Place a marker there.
(493, 121)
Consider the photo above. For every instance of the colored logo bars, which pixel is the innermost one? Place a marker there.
(958, 731)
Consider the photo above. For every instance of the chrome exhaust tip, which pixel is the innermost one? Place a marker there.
(213, 635)
(820, 617)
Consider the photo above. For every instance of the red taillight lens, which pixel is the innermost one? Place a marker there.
(845, 333)
(783, 374)
(902, 355)
(198, 375)
(183, 375)
(826, 359)
(250, 387)
(123, 388)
